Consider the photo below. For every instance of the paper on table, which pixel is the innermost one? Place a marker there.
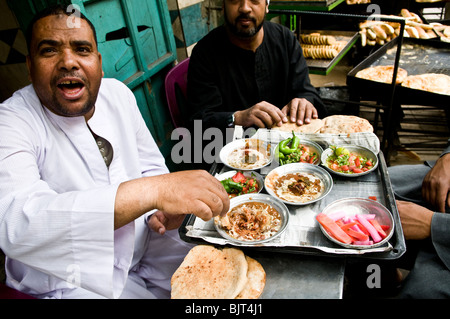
(302, 231)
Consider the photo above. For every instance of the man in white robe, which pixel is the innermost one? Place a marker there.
(76, 220)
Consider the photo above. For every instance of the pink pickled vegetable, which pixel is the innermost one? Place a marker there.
(337, 215)
(377, 226)
(372, 231)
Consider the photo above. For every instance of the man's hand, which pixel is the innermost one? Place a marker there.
(186, 192)
(160, 221)
(416, 220)
(261, 115)
(300, 110)
(436, 184)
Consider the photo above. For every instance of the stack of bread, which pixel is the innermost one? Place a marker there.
(318, 46)
(374, 31)
(211, 273)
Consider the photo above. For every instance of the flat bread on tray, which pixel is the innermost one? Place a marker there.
(313, 127)
(211, 273)
(338, 124)
(431, 82)
(333, 124)
(382, 73)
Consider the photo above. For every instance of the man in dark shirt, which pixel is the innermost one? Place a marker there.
(250, 72)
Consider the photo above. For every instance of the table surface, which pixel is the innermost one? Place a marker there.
(312, 273)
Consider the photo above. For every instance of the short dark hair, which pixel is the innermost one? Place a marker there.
(56, 10)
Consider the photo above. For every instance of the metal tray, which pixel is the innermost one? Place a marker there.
(418, 56)
(318, 3)
(311, 241)
(324, 66)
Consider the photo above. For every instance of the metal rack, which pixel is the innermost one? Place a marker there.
(324, 5)
(388, 104)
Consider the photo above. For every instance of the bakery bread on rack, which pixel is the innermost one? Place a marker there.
(382, 73)
(317, 39)
(375, 31)
(318, 46)
(430, 82)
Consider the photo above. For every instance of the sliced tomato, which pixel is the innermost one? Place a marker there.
(239, 178)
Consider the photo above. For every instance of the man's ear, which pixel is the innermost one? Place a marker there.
(100, 59)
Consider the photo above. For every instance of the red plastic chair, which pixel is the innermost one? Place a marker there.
(176, 84)
(10, 293)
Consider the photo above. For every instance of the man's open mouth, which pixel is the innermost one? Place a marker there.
(71, 89)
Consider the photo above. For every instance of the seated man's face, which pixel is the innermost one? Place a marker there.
(245, 18)
(65, 66)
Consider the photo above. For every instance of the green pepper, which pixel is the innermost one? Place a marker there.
(280, 155)
(289, 145)
(236, 186)
(230, 185)
(225, 185)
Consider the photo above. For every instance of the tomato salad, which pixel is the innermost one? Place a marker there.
(291, 150)
(342, 161)
(240, 184)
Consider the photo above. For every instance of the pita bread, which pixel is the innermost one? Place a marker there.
(431, 82)
(339, 124)
(312, 127)
(382, 73)
(210, 273)
(256, 280)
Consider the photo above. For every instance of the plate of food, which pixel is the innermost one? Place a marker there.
(238, 183)
(253, 219)
(298, 183)
(298, 150)
(246, 154)
(356, 223)
(349, 160)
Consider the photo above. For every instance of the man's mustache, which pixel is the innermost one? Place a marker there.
(245, 17)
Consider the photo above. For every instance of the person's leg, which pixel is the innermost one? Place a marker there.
(407, 180)
(162, 257)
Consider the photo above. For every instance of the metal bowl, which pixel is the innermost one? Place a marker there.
(257, 176)
(317, 171)
(259, 145)
(353, 206)
(308, 143)
(260, 198)
(363, 151)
